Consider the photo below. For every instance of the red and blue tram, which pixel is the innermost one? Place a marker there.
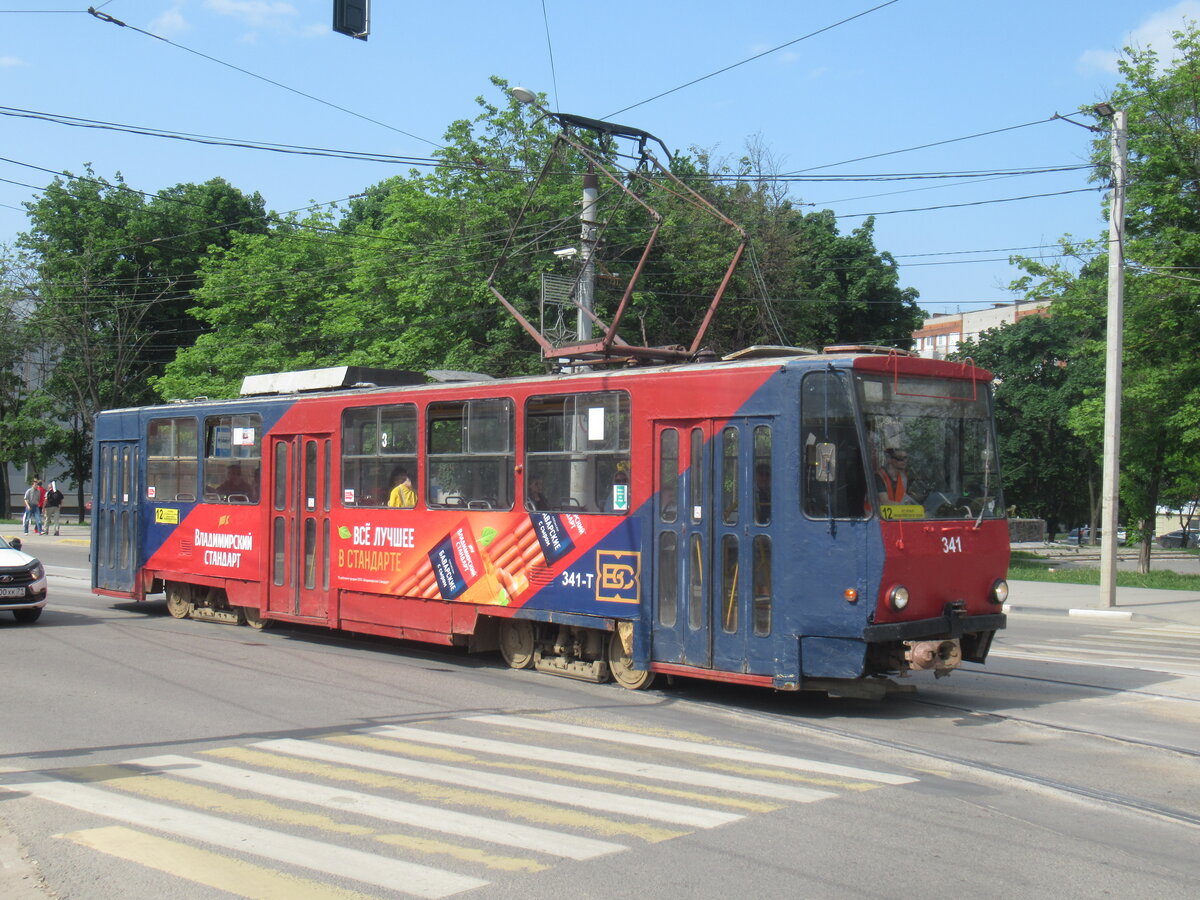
(733, 520)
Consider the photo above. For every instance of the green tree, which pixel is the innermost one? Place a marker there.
(1041, 378)
(1160, 434)
(107, 281)
(399, 279)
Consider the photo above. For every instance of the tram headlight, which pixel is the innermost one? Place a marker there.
(999, 593)
(898, 597)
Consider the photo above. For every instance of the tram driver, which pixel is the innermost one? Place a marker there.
(891, 479)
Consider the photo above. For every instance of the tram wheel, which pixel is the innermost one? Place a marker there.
(516, 642)
(620, 663)
(253, 617)
(179, 600)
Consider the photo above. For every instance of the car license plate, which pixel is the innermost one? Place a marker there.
(12, 592)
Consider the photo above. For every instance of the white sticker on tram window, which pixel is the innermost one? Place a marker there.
(348, 495)
(243, 437)
(312, 502)
(595, 423)
(150, 492)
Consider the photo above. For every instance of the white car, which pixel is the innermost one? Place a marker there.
(22, 582)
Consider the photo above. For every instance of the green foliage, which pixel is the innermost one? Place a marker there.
(1043, 373)
(103, 283)
(1160, 434)
(400, 279)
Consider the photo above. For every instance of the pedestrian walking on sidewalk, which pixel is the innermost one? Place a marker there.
(35, 498)
(54, 499)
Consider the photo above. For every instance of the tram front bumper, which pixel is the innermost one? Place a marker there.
(952, 623)
(942, 642)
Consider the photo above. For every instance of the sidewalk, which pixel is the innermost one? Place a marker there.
(72, 531)
(1083, 600)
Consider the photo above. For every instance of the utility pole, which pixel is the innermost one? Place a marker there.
(1111, 490)
(587, 250)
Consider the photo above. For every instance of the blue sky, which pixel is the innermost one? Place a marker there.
(898, 75)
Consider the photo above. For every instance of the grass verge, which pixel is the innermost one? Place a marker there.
(1026, 566)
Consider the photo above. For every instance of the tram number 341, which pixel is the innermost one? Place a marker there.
(952, 545)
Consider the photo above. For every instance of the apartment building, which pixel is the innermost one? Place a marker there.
(942, 334)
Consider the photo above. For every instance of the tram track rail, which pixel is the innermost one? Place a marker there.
(1107, 798)
(1155, 695)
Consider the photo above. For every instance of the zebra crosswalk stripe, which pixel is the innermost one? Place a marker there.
(368, 868)
(658, 810)
(495, 831)
(674, 745)
(544, 755)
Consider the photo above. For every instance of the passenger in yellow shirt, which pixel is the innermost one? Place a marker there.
(403, 495)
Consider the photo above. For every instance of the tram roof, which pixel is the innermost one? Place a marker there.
(357, 381)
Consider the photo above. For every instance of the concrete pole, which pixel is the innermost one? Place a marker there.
(587, 249)
(1111, 493)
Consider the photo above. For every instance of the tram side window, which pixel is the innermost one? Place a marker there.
(233, 458)
(379, 447)
(577, 452)
(470, 457)
(763, 476)
(172, 459)
(833, 483)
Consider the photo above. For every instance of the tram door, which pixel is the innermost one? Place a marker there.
(115, 526)
(299, 529)
(712, 553)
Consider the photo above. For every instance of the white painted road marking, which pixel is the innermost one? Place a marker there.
(526, 788)
(447, 821)
(695, 777)
(369, 868)
(673, 745)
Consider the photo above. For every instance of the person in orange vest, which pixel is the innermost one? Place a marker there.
(891, 479)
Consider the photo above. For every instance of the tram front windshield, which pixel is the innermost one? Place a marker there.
(931, 447)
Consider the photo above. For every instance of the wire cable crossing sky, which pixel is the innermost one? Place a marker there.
(267, 97)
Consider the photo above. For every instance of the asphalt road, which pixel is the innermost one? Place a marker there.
(148, 757)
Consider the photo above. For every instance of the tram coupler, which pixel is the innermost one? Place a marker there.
(941, 656)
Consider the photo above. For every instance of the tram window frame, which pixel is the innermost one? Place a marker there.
(847, 488)
(243, 452)
(577, 445)
(376, 441)
(172, 460)
(470, 455)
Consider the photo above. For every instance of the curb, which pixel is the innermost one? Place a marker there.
(1113, 614)
(1123, 615)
